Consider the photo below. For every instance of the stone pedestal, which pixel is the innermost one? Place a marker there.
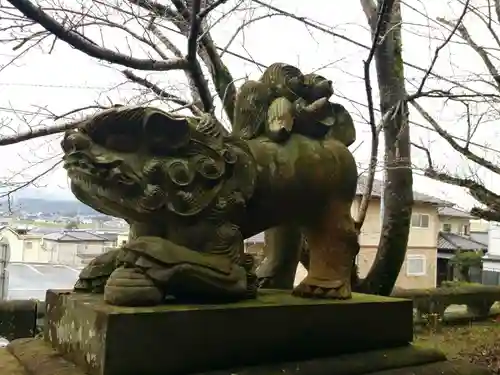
(108, 340)
(275, 334)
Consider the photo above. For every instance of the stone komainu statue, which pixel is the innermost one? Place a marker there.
(192, 194)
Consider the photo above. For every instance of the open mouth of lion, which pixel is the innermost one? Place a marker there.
(104, 188)
(88, 182)
(100, 175)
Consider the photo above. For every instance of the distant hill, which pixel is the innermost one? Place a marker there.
(46, 193)
(48, 200)
(58, 207)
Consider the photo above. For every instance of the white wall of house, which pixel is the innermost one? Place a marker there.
(494, 239)
(491, 266)
(493, 248)
(24, 248)
(68, 252)
(15, 243)
(35, 248)
(479, 225)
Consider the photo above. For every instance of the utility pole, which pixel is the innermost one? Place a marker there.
(4, 272)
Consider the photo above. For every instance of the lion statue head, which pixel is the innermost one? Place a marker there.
(141, 163)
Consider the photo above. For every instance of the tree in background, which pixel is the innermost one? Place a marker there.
(463, 261)
(479, 97)
(71, 225)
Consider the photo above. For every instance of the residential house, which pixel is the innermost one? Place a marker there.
(24, 245)
(491, 261)
(111, 234)
(50, 245)
(5, 221)
(455, 235)
(122, 238)
(419, 266)
(454, 220)
(75, 247)
(255, 246)
(479, 225)
(487, 234)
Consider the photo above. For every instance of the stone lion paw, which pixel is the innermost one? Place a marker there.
(131, 287)
(332, 290)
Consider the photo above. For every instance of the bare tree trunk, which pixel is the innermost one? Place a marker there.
(398, 191)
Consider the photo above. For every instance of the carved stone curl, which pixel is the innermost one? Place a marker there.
(191, 194)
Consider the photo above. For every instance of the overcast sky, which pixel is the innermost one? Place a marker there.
(66, 79)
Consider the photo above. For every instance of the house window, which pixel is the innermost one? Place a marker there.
(420, 221)
(415, 265)
(465, 229)
(447, 227)
(28, 245)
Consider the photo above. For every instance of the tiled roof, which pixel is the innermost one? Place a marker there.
(418, 197)
(109, 236)
(74, 236)
(452, 241)
(44, 230)
(455, 212)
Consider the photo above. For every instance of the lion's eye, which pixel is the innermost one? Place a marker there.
(122, 143)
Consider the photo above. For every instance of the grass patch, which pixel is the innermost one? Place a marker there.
(478, 343)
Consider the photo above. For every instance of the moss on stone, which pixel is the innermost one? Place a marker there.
(265, 298)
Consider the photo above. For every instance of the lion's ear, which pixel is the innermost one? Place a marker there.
(165, 132)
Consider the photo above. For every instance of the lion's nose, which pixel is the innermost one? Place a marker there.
(75, 142)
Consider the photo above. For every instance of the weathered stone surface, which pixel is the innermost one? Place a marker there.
(347, 364)
(174, 339)
(39, 359)
(9, 365)
(192, 194)
(18, 318)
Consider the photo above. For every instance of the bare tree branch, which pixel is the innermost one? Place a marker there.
(453, 143)
(31, 134)
(221, 77)
(378, 24)
(90, 48)
(49, 130)
(477, 190)
(439, 48)
(31, 181)
(204, 12)
(161, 93)
(173, 48)
(195, 69)
(477, 48)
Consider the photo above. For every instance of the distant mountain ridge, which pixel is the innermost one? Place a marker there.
(45, 193)
(49, 206)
